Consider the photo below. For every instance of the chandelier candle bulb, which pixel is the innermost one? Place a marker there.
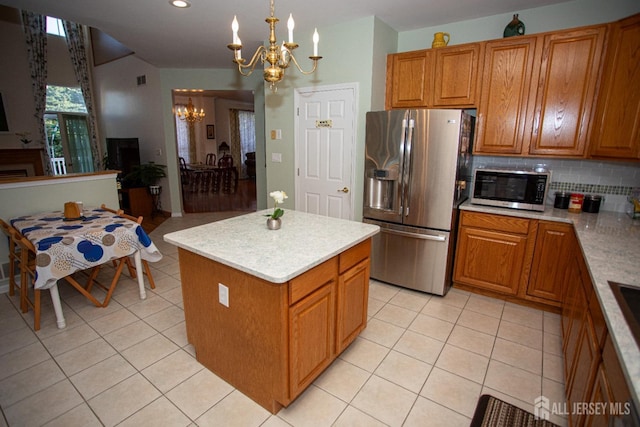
(235, 27)
(290, 26)
(316, 39)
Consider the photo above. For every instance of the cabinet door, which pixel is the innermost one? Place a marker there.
(505, 109)
(551, 259)
(569, 73)
(617, 129)
(585, 368)
(311, 337)
(456, 76)
(490, 259)
(408, 79)
(352, 295)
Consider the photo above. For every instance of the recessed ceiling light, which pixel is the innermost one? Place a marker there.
(179, 3)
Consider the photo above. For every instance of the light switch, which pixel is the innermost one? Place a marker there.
(276, 157)
(276, 133)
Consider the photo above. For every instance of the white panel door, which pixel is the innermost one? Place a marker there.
(325, 130)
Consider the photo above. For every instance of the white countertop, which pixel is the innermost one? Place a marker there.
(245, 243)
(610, 243)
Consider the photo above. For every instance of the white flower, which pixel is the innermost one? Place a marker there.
(278, 196)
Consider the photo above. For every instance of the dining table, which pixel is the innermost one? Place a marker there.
(65, 246)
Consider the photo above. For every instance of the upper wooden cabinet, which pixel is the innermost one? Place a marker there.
(569, 70)
(434, 78)
(505, 109)
(455, 76)
(408, 79)
(616, 132)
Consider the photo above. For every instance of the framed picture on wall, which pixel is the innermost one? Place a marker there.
(211, 132)
(4, 124)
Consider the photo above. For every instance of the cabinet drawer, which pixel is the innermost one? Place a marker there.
(508, 224)
(313, 279)
(354, 255)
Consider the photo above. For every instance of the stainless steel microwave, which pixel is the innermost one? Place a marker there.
(511, 188)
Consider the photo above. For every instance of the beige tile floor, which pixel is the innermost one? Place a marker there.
(422, 361)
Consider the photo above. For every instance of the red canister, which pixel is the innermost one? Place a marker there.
(575, 202)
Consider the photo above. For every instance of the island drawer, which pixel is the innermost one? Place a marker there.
(307, 282)
(354, 255)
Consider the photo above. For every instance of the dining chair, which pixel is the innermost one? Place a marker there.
(119, 263)
(27, 266)
(211, 159)
(13, 253)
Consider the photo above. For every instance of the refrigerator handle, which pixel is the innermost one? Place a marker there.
(406, 170)
(414, 235)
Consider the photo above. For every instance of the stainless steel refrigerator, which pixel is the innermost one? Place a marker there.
(417, 171)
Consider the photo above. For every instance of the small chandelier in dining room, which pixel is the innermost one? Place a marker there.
(189, 113)
(279, 56)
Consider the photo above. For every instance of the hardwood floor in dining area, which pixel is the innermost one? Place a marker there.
(243, 199)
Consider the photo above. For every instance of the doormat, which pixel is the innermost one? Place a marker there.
(492, 412)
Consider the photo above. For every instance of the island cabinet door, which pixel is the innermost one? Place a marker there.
(311, 337)
(352, 301)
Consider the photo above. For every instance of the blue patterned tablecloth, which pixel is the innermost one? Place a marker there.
(66, 246)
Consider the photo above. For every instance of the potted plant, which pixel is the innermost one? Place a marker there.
(146, 175)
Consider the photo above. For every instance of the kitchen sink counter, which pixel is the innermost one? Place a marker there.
(245, 243)
(610, 244)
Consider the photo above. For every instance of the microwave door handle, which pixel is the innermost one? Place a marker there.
(406, 170)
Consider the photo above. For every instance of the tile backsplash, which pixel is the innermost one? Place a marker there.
(613, 180)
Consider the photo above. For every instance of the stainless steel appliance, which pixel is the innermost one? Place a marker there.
(417, 167)
(511, 188)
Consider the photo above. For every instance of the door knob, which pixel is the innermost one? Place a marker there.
(344, 190)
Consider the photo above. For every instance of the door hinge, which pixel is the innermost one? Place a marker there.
(298, 171)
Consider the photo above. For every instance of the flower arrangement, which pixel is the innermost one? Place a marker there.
(278, 197)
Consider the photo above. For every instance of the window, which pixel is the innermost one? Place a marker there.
(55, 27)
(67, 131)
(65, 99)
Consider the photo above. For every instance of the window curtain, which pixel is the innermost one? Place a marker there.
(243, 137)
(35, 31)
(79, 143)
(183, 139)
(76, 42)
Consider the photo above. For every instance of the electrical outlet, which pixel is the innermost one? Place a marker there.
(223, 295)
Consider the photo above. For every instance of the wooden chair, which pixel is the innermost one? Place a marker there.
(27, 277)
(120, 263)
(211, 159)
(13, 254)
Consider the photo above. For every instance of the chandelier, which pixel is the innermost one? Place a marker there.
(190, 114)
(279, 57)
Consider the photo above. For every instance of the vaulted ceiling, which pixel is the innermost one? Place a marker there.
(197, 37)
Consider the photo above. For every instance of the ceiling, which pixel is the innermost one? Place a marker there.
(197, 37)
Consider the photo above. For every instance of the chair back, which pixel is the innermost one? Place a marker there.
(211, 159)
(183, 163)
(225, 161)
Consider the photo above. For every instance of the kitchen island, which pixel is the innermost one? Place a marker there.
(269, 310)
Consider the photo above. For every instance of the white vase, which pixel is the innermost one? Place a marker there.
(274, 224)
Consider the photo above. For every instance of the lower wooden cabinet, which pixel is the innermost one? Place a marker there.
(553, 253)
(494, 252)
(352, 299)
(526, 259)
(311, 336)
(593, 374)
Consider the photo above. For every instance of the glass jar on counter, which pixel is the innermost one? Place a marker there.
(575, 202)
